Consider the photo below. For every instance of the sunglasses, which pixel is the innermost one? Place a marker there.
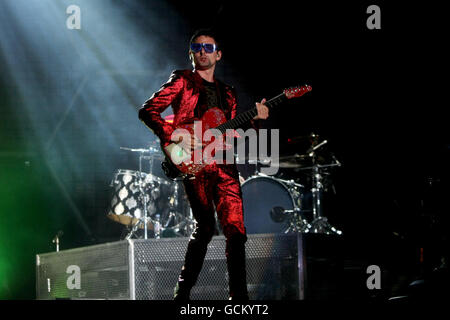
(209, 47)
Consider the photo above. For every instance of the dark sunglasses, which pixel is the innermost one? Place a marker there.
(209, 47)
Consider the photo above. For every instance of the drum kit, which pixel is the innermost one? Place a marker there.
(158, 207)
(144, 201)
(276, 205)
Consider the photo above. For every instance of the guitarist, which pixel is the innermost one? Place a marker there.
(216, 187)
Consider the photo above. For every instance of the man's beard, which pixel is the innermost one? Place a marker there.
(207, 64)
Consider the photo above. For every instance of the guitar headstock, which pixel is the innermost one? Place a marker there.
(296, 92)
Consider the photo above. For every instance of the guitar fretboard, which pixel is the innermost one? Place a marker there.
(246, 116)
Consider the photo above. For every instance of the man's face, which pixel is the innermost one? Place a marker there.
(202, 60)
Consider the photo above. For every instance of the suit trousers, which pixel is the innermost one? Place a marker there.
(215, 189)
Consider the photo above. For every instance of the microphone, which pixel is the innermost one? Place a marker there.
(59, 234)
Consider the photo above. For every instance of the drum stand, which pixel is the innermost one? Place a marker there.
(296, 223)
(179, 224)
(173, 204)
(144, 197)
(144, 220)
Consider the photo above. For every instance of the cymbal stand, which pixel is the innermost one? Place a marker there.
(319, 224)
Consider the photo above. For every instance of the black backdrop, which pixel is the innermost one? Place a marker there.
(376, 99)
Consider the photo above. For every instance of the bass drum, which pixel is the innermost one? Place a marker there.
(260, 194)
(127, 200)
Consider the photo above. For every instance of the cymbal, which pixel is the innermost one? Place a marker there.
(303, 139)
(299, 139)
(290, 165)
(135, 149)
(151, 150)
(294, 157)
(294, 161)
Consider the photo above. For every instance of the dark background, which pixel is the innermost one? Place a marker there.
(377, 99)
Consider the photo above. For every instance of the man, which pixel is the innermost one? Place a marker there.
(216, 187)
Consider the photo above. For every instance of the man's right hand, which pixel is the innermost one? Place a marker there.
(188, 142)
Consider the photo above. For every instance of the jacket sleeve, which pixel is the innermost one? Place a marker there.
(150, 112)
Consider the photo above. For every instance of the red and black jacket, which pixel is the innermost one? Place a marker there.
(182, 92)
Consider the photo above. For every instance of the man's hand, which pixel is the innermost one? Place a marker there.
(188, 142)
(263, 111)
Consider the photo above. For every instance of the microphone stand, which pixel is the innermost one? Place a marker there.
(55, 240)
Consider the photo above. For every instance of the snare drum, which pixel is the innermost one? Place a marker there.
(260, 194)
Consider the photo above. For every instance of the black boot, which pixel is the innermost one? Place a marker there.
(235, 253)
(193, 262)
(181, 292)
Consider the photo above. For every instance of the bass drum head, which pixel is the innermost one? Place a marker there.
(260, 195)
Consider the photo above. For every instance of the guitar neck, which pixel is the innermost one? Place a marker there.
(246, 116)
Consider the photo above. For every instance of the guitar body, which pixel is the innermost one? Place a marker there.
(192, 163)
(181, 163)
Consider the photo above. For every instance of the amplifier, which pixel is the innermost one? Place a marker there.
(140, 269)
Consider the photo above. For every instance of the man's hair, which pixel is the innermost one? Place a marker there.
(206, 32)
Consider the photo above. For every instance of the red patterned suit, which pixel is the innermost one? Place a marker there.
(215, 188)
